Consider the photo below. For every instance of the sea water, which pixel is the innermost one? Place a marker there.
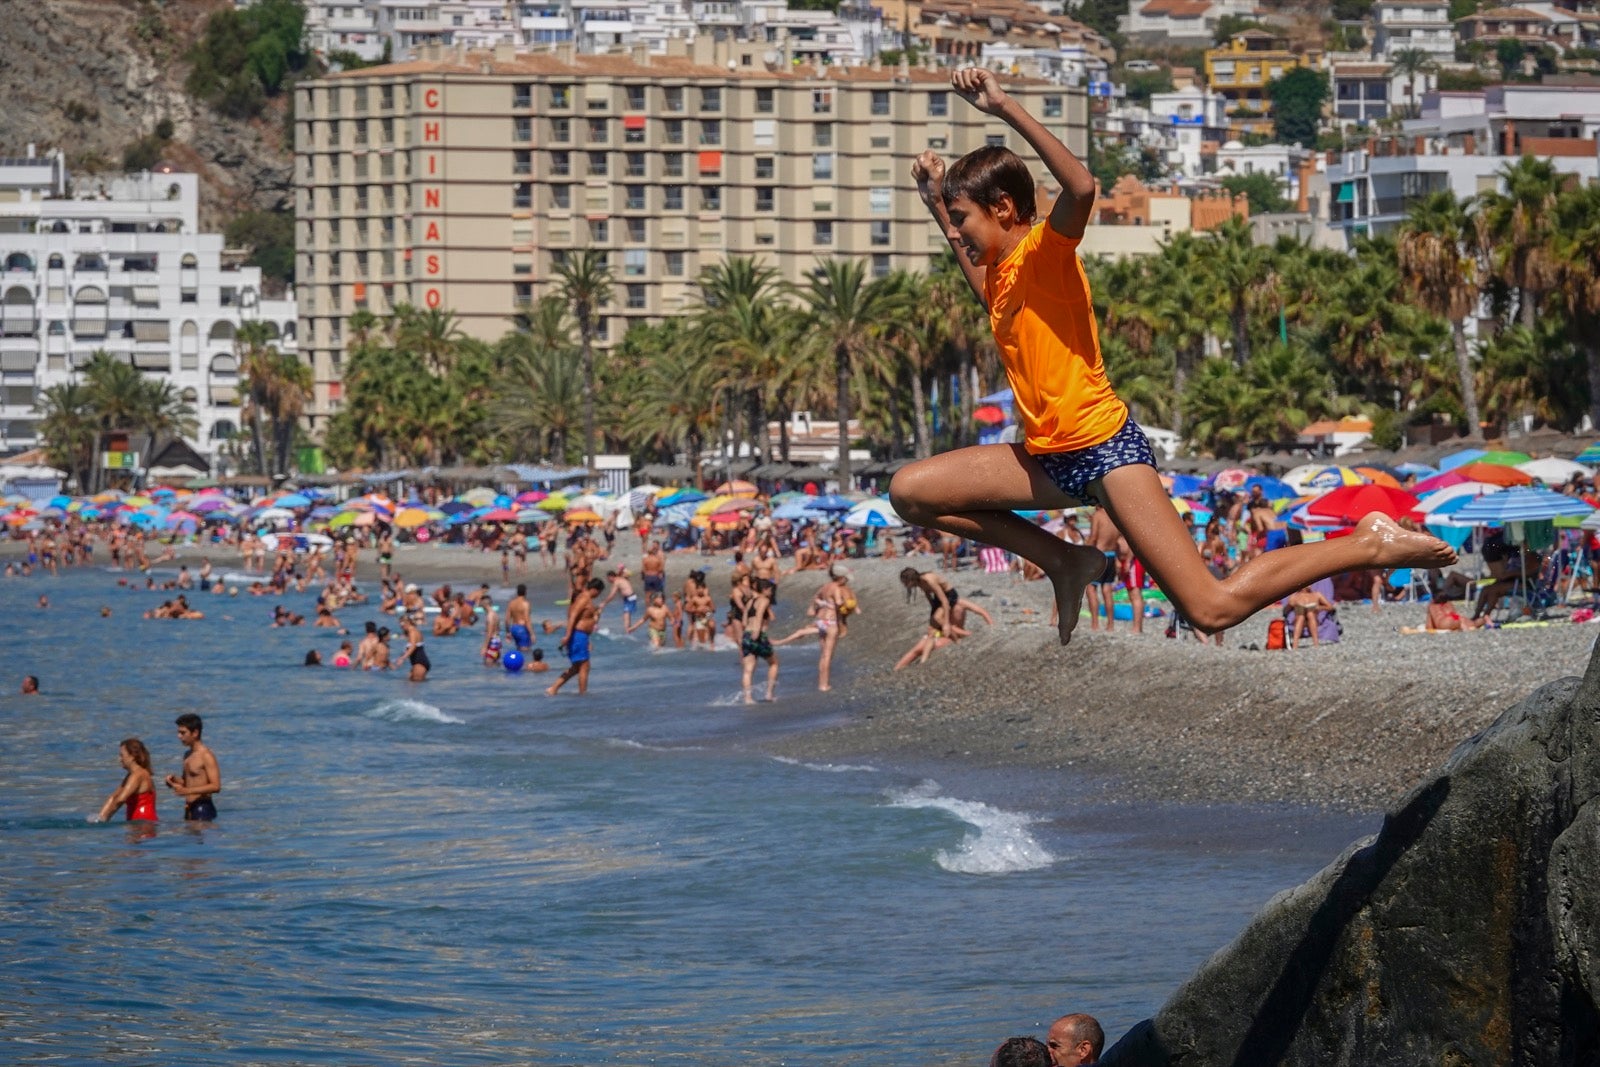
(467, 872)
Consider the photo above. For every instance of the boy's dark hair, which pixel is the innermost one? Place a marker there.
(1021, 1052)
(538, 654)
(191, 722)
(986, 174)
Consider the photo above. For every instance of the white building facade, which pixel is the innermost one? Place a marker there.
(119, 264)
(1406, 25)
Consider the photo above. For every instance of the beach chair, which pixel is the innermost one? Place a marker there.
(1411, 583)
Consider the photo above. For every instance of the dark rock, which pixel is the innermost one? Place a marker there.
(1466, 932)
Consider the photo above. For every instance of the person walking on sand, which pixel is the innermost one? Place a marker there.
(138, 789)
(582, 614)
(202, 778)
(1081, 446)
(825, 612)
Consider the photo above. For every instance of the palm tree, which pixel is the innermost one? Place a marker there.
(1220, 405)
(1411, 62)
(540, 388)
(585, 288)
(1235, 267)
(257, 359)
(1576, 235)
(848, 315)
(1436, 256)
(70, 428)
(921, 340)
(293, 387)
(672, 404)
(1532, 372)
(433, 334)
(1514, 229)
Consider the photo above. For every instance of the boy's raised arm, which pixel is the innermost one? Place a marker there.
(1071, 212)
(928, 172)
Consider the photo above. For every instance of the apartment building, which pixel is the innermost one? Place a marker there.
(1413, 25)
(461, 180)
(1242, 68)
(119, 263)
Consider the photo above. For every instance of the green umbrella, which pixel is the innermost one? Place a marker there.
(1505, 459)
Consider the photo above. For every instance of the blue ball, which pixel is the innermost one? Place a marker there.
(512, 661)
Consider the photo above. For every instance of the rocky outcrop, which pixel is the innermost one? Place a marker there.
(1465, 933)
(93, 76)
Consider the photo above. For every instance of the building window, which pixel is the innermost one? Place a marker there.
(561, 131)
(711, 131)
(880, 142)
(822, 167)
(561, 197)
(599, 231)
(822, 101)
(636, 297)
(522, 198)
(636, 164)
(1052, 107)
(673, 264)
(879, 199)
(636, 234)
(560, 164)
(521, 163)
(822, 232)
(672, 197)
(635, 97)
(521, 95)
(711, 98)
(880, 101)
(880, 232)
(995, 140)
(938, 105)
(764, 199)
(880, 265)
(673, 131)
(635, 198)
(672, 164)
(523, 132)
(561, 96)
(598, 131)
(765, 103)
(765, 167)
(597, 164)
(633, 134)
(711, 198)
(822, 135)
(634, 262)
(672, 98)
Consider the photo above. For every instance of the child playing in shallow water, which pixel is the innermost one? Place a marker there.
(1081, 446)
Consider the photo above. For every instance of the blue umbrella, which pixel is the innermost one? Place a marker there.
(324, 512)
(1459, 459)
(1184, 484)
(1271, 488)
(794, 509)
(1590, 454)
(831, 502)
(1421, 470)
(682, 496)
(292, 501)
(1520, 504)
(60, 501)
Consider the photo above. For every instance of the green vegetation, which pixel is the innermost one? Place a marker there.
(142, 154)
(1110, 161)
(1297, 100)
(1260, 189)
(1100, 15)
(270, 237)
(248, 55)
(1228, 25)
(108, 395)
(1142, 84)
(276, 389)
(1453, 81)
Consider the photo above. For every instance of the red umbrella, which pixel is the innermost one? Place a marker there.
(1349, 503)
(990, 413)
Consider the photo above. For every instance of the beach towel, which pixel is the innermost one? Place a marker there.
(995, 560)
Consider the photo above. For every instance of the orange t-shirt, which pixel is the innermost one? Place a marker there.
(1043, 322)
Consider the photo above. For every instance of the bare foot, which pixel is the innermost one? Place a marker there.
(1392, 545)
(551, 691)
(1080, 567)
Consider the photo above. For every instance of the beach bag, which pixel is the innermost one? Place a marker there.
(1275, 635)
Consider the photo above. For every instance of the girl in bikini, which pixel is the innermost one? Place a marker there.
(754, 643)
(137, 791)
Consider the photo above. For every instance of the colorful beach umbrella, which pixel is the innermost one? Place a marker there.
(1271, 488)
(1590, 454)
(499, 515)
(1493, 473)
(410, 518)
(1460, 459)
(831, 502)
(1522, 504)
(737, 488)
(1554, 471)
(1378, 476)
(1348, 504)
(554, 502)
(575, 515)
(877, 513)
(1231, 478)
(680, 496)
(992, 414)
(1504, 457)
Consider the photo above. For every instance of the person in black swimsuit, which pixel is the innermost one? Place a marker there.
(754, 643)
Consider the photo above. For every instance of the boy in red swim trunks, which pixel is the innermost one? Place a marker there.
(1081, 446)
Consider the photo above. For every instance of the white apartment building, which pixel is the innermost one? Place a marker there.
(1461, 142)
(1181, 21)
(1423, 25)
(367, 27)
(119, 264)
(1066, 64)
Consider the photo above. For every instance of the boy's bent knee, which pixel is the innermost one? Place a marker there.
(910, 495)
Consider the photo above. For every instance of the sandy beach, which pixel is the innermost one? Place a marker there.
(1348, 726)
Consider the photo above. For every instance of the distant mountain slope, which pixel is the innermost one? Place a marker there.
(94, 76)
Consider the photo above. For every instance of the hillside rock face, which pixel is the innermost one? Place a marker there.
(1466, 933)
(92, 76)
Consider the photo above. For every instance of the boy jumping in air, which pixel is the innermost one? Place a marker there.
(1081, 446)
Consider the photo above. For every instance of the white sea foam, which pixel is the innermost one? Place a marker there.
(999, 842)
(402, 710)
(628, 742)
(827, 768)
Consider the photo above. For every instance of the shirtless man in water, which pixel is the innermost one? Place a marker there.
(202, 779)
(582, 615)
(519, 620)
(653, 570)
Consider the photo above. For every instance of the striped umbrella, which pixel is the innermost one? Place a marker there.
(1521, 504)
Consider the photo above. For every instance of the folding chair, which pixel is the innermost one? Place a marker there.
(1412, 581)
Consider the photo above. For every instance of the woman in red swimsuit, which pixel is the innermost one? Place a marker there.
(137, 791)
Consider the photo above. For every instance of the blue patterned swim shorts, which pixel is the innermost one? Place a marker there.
(1073, 471)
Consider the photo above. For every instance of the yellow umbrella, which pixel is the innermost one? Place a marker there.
(712, 505)
(343, 519)
(553, 502)
(581, 515)
(410, 518)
